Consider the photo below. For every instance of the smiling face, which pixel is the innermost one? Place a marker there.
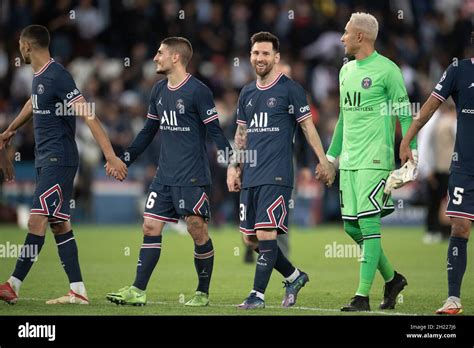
(351, 39)
(164, 60)
(263, 58)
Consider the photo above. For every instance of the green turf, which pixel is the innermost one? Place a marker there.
(108, 258)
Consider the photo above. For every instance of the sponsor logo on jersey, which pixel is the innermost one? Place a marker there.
(212, 111)
(72, 94)
(159, 101)
(271, 102)
(259, 124)
(249, 103)
(472, 85)
(366, 82)
(40, 89)
(439, 87)
(467, 111)
(304, 109)
(442, 77)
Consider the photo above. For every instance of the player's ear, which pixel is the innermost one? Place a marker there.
(277, 57)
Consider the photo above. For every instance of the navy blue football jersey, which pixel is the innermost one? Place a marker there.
(458, 82)
(183, 113)
(53, 92)
(271, 114)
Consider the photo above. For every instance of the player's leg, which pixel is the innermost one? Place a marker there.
(203, 259)
(158, 211)
(461, 211)
(362, 197)
(30, 250)
(193, 203)
(456, 264)
(69, 256)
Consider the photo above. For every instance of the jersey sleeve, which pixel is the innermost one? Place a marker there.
(446, 84)
(399, 100)
(152, 112)
(205, 106)
(298, 102)
(66, 88)
(241, 117)
(335, 148)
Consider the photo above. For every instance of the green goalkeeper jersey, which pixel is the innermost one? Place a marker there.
(372, 96)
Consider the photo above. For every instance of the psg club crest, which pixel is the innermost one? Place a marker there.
(40, 89)
(366, 83)
(271, 102)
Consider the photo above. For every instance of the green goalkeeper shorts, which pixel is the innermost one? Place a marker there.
(361, 193)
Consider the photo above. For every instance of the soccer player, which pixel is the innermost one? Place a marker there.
(269, 110)
(372, 93)
(457, 82)
(56, 162)
(182, 107)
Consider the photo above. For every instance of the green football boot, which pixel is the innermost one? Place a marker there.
(129, 295)
(200, 299)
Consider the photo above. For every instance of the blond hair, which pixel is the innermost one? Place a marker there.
(366, 23)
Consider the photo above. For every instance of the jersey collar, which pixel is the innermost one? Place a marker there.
(368, 59)
(271, 84)
(181, 84)
(42, 70)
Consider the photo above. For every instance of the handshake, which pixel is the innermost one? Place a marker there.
(116, 168)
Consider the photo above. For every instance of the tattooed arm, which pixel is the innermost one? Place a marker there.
(234, 171)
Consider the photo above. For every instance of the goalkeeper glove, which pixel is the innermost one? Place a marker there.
(408, 172)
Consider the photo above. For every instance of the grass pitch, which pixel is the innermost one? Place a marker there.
(108, 256)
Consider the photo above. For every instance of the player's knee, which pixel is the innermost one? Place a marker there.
(461, 228)
(266, 234)
(37, 224)
(197, 230)
(151, 228)
(60, 227)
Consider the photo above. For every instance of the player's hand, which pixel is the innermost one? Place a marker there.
(6, 166)
(6, 138)
(325, 172)
(116, 168)
(405, 152)
(233, 179)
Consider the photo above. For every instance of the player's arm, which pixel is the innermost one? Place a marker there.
(114, 164)
(6, 166)
(234, 171)
(23, 117)
(423, 116)
(141, 141)
(335, 148)
(325, 171)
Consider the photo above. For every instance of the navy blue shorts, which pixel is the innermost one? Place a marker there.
(169, 203)
(461, 196)
(264, 207)
(53, 193)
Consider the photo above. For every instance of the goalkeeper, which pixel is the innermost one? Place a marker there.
(372, 92)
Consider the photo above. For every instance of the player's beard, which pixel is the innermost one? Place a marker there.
(265, 71)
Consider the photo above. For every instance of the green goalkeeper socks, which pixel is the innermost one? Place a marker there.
(368, 265)
(385, 268)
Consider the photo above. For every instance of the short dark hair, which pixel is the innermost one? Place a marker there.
(37, 33)
(180, 45)
(265, 36)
